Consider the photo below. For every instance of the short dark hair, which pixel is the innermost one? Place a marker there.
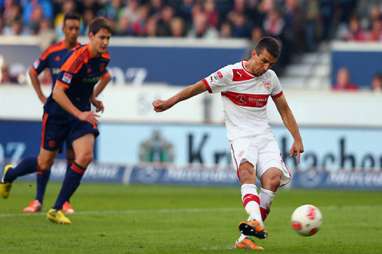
(71, 15)
(98, 24)
(272, 45)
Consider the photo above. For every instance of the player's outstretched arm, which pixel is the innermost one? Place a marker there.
(291, 124)
(184, 94)
(36, 84)
(62, 99)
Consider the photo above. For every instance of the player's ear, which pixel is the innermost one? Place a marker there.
(254, 53)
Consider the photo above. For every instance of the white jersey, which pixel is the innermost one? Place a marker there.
(245, 97)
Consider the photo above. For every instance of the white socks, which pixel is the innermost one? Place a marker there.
(266, 197)
(251, 201)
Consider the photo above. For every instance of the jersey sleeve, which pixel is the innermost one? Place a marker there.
(276, 86)
(71, 68)
(219, 80)
(40, 64)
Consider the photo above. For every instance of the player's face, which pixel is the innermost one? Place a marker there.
(262, 62)
(71, 30)
(100, 40)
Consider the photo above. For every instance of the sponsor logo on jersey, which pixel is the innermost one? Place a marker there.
(36, 64)
(218, 75)
(56, 71)
(91, 79)
(67, 77)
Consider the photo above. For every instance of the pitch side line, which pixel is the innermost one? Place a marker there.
(133, 211)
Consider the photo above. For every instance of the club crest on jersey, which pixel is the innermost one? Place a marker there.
(57, 58)
(267, 85)
(67, 77)
(36, 64)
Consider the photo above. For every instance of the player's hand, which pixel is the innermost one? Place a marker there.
(160, 105)
(98, 105)
(296, 150)
(89, 116)
(43, 99)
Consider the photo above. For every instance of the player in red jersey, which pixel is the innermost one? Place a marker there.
(245, 88)
(68, 117)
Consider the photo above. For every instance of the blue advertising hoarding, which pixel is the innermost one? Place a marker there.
(174, 62)
(363, 60)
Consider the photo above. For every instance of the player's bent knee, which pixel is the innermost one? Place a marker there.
(272, 182)
(84, 159)
(247, 175)
(44, 164)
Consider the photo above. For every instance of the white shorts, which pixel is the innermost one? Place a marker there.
(261, 151)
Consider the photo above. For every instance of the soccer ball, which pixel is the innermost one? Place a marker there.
(306, 220)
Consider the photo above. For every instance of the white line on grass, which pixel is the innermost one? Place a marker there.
(132, 211)
(180, 210)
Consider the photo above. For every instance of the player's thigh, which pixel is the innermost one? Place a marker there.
(270, 160)
(82, 137)
(83, 145)
(53, 132)
(244, 158)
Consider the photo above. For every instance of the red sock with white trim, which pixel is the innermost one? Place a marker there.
(266, 197)
(251, 201)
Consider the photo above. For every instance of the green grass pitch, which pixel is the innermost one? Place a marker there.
(179, 219)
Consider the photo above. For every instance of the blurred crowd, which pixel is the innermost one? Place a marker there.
(300, 24)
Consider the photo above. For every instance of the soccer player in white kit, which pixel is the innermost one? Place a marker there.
(245, 88)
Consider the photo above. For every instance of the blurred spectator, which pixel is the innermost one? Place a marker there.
(138, 26)
(67, 6)
(376, 82)
(113, 11)
(5, 75)
(343, 82)
(16, 28)
(355, 31)
(225, 30)
(256, 34)
(177, 27)
(164, 22)
(35, 11)
(200, 27)
(123, 27)
(151, 27)
(211, 13)
(274, 24)
(376, 30)
(312, 25)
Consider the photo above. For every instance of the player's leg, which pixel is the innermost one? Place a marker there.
(244, 157)
(251, 201)
(83, 150)
(272, 173)
(53, 132)
(270, 182)
(67, 208)
(27, 166)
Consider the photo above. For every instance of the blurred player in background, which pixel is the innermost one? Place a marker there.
(52, 58)
(68, 117)
(245, 87)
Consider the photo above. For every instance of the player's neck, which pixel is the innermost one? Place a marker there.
(70, 45)
(93, 52)
(247, 65)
